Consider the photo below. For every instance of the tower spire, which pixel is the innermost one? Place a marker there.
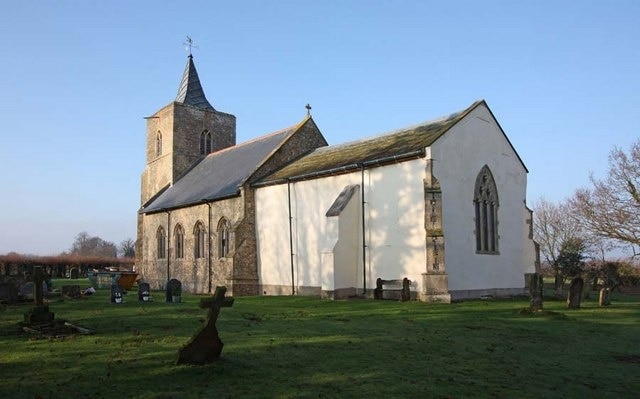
(190, 91)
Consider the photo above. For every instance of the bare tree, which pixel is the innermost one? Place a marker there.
(87, 245)
(128, 248)
(553, 228)
(611, 209)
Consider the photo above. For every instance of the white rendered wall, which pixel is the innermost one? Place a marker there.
(458, 157)
(394, 218)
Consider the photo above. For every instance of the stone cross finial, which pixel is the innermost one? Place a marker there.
(308, 107)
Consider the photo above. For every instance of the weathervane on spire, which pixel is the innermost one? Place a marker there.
(189, 45)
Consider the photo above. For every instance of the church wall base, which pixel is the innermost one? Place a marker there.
(274, 289)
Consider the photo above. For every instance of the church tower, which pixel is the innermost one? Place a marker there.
(181, 133)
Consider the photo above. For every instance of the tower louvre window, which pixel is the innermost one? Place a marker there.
(205, 142)
(485, 204)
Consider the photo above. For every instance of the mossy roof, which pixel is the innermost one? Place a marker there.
(395, 143)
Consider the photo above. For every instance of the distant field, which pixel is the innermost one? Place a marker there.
(301, 347)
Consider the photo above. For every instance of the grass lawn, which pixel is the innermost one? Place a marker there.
(301, 347)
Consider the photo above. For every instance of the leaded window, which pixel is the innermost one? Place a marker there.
(178, 237)
(161, 243)
(199, 234)
(223, 238)
(485, 202)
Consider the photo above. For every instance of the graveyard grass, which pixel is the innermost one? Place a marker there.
(303, 347)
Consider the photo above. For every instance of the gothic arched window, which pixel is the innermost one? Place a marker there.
(158, 144)
(161, 243)
(199, 234)
(178, 236)
(205, 142)
(223, 238)
(485, 202)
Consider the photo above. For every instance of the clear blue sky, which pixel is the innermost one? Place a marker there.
(77, 78)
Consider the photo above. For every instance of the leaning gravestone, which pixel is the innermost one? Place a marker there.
(144, 292)
(605, 298)
(173, 290)
(575, 293)
(535, 291)
(206, 346)
(117, 294)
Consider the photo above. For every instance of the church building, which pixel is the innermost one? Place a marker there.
(441, 204)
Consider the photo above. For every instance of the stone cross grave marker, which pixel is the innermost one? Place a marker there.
(575, 293)
(40, 312)
(206, 346)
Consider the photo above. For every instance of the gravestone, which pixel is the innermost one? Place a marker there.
(28, 289)
(39, 314)
(206, 346)
(71, 291)
(117, 294)
(144, 292)
(173, 290)
(535, 291)
(8, 293)
(575, 293)
(74, 273)
(605, 298)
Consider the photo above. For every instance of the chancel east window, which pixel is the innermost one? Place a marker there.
(199, 235)
(161, 246)
(179, 241)
(485, 202)
(223, 238)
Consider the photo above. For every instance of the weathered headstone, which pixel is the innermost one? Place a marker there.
(535, 291)
(144, 292)
(575, 293)
(39, 314)
(74, 273)
(71, 291)
(173, 290)
(605, 297)
(206, 346)
(117, 294)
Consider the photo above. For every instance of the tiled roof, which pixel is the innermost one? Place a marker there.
(396, 143)
(190, 91)
(220, 174)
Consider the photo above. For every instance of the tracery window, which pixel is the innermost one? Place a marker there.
(158, 144)
(178, 237)
(223, 238)
(199, 234)
(485, 202)
(161, 243)
(205, 142)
